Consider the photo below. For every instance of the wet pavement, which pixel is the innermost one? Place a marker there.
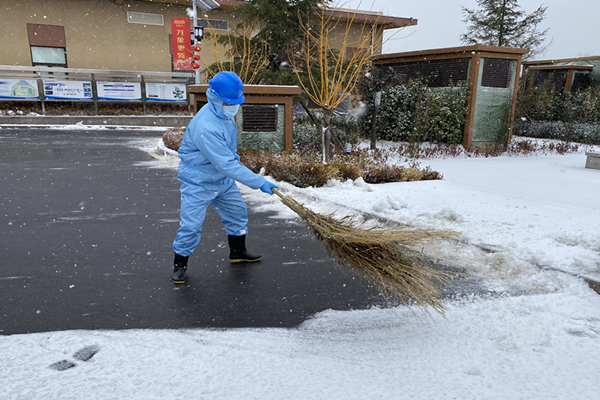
(87, 227)
(86, 244)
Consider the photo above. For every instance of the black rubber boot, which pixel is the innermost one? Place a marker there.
(179, 268)
(238, 253)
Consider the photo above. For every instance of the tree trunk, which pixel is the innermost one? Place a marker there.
(374, 120)
(501, 27)
(326, 134)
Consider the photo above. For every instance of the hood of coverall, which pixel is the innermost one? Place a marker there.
(216, 103)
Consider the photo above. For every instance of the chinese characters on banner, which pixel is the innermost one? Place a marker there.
(182, 52)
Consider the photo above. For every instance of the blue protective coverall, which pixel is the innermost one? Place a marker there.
(208, 170)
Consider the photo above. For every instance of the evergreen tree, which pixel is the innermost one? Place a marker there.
(504, 23)
(279, 30)
(261, 46)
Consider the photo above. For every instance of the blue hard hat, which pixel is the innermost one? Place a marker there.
(228, 87)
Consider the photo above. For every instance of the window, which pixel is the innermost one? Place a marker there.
(550, 80)
(439, 73)
(214, 24)
(581, 81)
(496, 73)
(48, 56)
(145, 18)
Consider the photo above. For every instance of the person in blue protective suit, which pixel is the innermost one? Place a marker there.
(208, 172)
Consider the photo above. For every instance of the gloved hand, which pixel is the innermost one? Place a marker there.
(236, 156)
(267, 186)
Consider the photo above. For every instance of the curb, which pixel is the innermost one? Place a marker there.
(130, 120)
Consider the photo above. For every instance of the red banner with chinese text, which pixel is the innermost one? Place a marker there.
(182, 43)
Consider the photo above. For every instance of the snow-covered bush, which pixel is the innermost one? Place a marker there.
(305, 172)
(566, 115)
(414, 112)
(570, 132)
(172, 138)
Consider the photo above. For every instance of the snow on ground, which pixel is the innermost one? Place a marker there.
(528, 347)
(80, 126)
(522, 220)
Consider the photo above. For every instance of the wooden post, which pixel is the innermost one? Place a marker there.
(471, 99)
(289, 123)
(514, 102)
(569, 81)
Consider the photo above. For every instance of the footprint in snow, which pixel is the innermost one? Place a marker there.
(84, 354)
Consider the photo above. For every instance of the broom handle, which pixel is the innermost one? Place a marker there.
(277, 193)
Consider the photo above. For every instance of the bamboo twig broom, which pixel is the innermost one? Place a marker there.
(382, 256)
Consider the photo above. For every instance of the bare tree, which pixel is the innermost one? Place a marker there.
(237, 52)
(333, 55)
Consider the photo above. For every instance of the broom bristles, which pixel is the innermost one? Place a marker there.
(382, 256)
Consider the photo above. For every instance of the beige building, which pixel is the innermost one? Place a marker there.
(119, 34)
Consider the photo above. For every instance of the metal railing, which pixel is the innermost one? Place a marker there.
(48, 74)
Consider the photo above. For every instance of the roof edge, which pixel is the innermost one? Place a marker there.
(386, 22)
(452, 50)
(560, 60)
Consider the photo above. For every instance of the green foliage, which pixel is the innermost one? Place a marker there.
(280, 32)
(581, 133)
(413, 112)
(566, 115)
(345, 128)
(503, 23)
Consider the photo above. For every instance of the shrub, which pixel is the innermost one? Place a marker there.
(386, 173)
(305, 172)
(289, 168)
(172, 138)
(413, 112)
(574, 132)
(348, 170)
(569, 116)
(345, 128)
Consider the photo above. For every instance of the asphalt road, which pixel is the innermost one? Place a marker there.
(86, 244)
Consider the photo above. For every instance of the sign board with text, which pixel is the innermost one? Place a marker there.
(182, 46)
(67, 90)
(119, 91)
(166, 92)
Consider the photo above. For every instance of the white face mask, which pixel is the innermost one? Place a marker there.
(231, 111)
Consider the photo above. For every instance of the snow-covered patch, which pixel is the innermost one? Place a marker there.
(80, 126)
(527, 347)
